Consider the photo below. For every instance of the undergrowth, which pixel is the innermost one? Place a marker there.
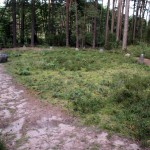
(106, 89)
(141, 48)
(2, 145)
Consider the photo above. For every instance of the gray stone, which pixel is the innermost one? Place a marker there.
(77, 49)
(101, 50)
(141, 59)
(3, 58)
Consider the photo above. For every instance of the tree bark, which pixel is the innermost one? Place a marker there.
(67, 23)
(118, 21)
(121, 19)
(49, 11)
(101, 15)
(125, 35)
(14, 21)
(113, 17)
(77, 34)
(95, 25)
(22, 22)
(133, 19)
(107, 25)
(135, 22)
(33, 24)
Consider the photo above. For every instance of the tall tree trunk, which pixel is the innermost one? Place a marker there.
(142, 20)
(33, 24)
(49, 11)
(135, 22)
(14, 21)
(77, 34)
(125, 35)
(133, 19)
(95, 25)
(22, 22)
(113, 17)
(67, 23)
(101, 15)
(107, 25)
(121, 19)
(118, 21)
(84, 29)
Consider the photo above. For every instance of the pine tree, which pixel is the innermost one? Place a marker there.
(125, 34)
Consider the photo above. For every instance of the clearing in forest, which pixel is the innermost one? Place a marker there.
(107, 90)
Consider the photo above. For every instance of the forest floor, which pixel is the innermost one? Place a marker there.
(28, 124)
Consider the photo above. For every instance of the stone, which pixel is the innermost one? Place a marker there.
(141, 59)
(24, 47)
(3, 58)
(101, 50)
(77, 49)
(127, 55)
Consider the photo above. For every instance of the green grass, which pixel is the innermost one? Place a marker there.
(107, 89)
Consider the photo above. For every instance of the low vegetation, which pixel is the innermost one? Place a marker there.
(2, 145)
(139, 49)
(106, 89)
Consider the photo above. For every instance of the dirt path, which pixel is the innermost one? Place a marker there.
(28, 124)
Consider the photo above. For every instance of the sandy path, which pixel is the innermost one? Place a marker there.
(28, 124)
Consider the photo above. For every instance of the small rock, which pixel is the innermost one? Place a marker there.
(77, 49)
(141, 59)
(127, 55)
(101, 50)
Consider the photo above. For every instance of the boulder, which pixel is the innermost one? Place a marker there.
(3, 58)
